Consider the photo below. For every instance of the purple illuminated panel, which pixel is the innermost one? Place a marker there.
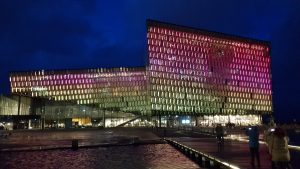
(192, 71)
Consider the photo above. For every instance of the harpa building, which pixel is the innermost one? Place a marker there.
(191, 77)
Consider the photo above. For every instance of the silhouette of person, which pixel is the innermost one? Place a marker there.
(253, 135)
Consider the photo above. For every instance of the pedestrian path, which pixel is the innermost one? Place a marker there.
(62, 139)
(234, 152)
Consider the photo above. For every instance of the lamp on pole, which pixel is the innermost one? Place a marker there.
(84, 115)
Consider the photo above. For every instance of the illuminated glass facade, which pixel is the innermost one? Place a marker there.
(199, 72)
(9, 106)
(188, 72)
(123, 89)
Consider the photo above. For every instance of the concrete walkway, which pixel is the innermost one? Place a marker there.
(56, 139)
(234, 151)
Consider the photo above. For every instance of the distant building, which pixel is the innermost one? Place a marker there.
(203, 77)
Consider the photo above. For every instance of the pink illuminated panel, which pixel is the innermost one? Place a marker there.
(200, 72)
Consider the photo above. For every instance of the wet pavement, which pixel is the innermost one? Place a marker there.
(234, 150)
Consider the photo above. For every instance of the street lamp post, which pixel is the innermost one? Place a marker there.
(103, 118)
(84, 115)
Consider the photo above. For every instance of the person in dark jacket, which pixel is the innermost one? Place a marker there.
(219, 132)
(253, 133)
(220, 136)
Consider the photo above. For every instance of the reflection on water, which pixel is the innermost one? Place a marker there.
(158, 156)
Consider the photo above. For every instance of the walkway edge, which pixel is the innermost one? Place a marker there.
(204, 160)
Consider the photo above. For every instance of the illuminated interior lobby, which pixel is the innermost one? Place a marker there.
(192, 77)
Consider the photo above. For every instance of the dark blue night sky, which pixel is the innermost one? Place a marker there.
(71, 34)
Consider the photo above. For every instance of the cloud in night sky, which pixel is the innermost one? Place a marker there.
(72, 34)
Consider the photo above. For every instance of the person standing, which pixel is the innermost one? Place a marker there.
(277, 142)
(219, 132)
(220, 136)
(253, 135)
(270, 128)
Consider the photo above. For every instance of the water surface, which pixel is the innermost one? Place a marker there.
(156, 156)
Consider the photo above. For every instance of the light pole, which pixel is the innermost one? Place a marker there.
(84, 115)
(103, 118)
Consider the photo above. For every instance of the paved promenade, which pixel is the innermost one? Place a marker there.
(54, 139)
(234, 151)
